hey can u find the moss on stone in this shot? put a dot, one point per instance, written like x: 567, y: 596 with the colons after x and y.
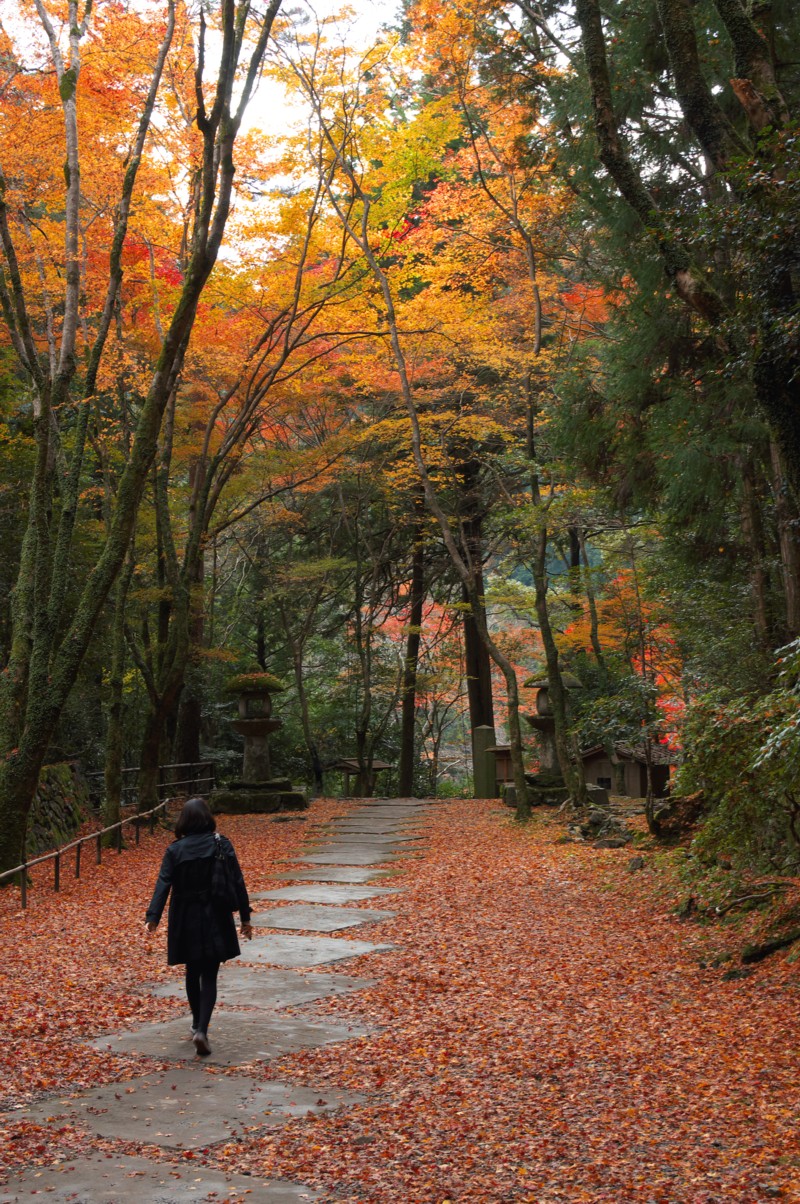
x: 254, y: 683
x: 60, y: 807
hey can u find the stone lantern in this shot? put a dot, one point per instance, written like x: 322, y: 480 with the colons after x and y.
x: 549, y: 781
x: 255, y: 721
x: 258, y: 790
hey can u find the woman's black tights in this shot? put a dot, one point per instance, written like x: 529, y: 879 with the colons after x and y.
x: 201, y: 991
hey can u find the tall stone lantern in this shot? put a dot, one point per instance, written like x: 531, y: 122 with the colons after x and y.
x: 257, y: 791
x: 255, y: 721
x: 548, y: 784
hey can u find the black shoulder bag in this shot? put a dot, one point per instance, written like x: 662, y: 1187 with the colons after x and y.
x: 223, y: 887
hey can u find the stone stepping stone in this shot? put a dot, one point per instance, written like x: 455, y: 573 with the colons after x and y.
x: 236, y: 1038
x: 391, y: 808
x: 271, y: 990
x: 375, y: 815
x: 368, y: 827
x: 340, y: 873
x: 301, y: 952
x: 103, y: 1180
x: 389, y: 822
x: 326, y: 893
x: 372, y: 839
x: 312, y: 917
x: 188, y: 1109
x: 347, y: 854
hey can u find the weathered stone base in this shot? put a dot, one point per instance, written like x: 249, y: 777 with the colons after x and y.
x: 597, y: 795
x: 256, y: 802
x: 546, y: 789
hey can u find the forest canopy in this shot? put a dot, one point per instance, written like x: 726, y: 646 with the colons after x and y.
x: 410, y: 374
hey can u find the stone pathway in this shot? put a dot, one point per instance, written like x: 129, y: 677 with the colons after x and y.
x: 189, y: 1106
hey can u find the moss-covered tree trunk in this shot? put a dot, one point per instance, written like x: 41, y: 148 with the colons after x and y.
x: 150, y: 758
x: 788, y: 521
x: 112, y: 776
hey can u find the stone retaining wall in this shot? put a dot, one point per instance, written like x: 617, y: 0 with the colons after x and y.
x: 60, y: 807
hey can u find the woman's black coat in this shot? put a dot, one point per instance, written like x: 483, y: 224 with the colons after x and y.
x: 199, y: 929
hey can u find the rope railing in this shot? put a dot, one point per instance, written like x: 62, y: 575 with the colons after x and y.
x: 77, y: 845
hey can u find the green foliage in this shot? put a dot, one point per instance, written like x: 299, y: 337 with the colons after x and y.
x: 711, y: 612
x: 461, y: 787
x: 615, y: 705
x: 743, y: 753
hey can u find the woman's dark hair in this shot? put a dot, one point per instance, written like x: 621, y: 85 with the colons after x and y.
x: 195, y: 818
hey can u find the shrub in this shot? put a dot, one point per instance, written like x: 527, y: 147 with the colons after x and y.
x: 744, y: 754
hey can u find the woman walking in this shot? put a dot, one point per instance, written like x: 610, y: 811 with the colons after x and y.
x: 200, y: 930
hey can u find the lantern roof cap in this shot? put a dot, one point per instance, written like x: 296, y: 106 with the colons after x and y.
x: 255, y: 682
x: 571, y: 682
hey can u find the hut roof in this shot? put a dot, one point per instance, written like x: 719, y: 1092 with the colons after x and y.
x: 660, y: 754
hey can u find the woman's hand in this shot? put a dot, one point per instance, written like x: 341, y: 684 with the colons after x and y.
x: 150, y: 927
x: 247, y: 930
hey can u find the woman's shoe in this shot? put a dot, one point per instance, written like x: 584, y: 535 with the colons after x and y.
x: 200, y: 1041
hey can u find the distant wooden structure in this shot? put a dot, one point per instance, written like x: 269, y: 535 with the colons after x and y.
x: 631, y: 767
x: 350, y: 768
x: 503, y: 769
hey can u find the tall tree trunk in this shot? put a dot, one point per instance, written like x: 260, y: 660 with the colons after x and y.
x: 407, y: 762
x: 476, y: 653
x: 186, y: 747
x: 476, y: 658
x: 594, y: 624
x: 650, y: 798
x: 571, y: 770
x: 112, y: 802
x: 150, y: 759
x: 19, y: 777
x: 788, y: 522
x: 305, y: 713
x: 753, y: 531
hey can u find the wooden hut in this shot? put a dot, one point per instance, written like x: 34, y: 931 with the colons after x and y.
x: 349, y: 767
x: 629, y: 775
